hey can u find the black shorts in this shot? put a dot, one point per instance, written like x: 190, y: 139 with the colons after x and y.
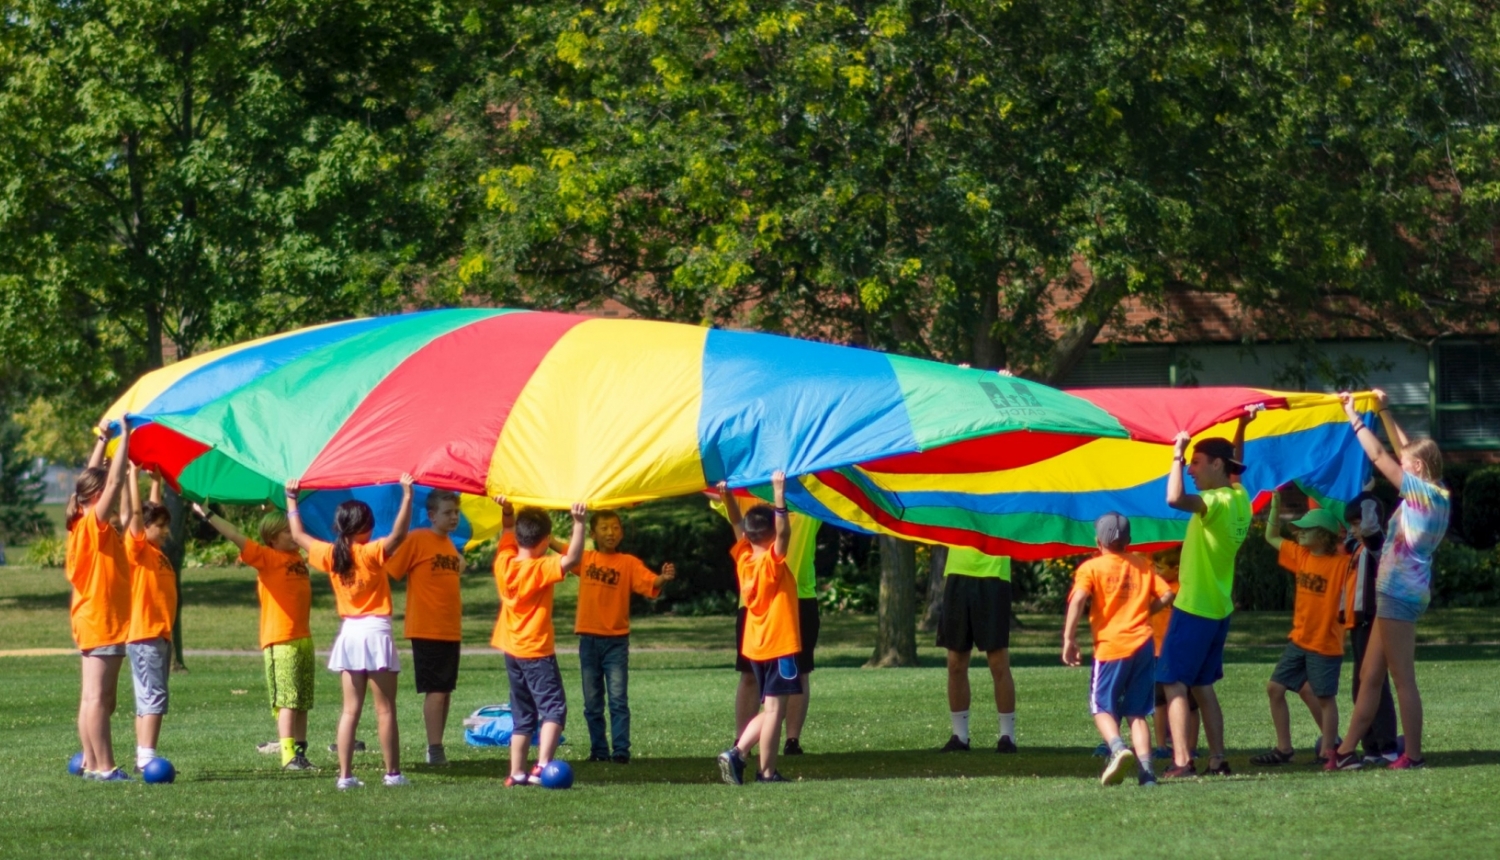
x: 1161, y: 697
x: 435, y: 664
x: 741, y: 662
x: 771, y: 681
x: 807, y: 614
x: 536, y: 693
x: 976, y: 614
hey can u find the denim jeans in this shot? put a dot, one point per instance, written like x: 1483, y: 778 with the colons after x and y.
x: 606, y: 668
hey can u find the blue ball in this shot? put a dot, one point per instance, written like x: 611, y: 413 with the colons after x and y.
x: 75, y: 764
x: 159, y: 770
x: 557, y: 774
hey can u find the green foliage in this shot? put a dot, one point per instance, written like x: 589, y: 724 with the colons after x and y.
x: 686, y: 532
x: 850, y: 589
x: 21, y: 489
x: 1480, y: 511
x: 47, y: 552
x: 1465, y: 576
x: 1260, y: 583
x: 1044, y: 586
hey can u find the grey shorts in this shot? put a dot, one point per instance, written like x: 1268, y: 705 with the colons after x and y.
x: 1397, y: 609
x: 1300, y: 666
x: 105, y: 651
x: 149, y: 663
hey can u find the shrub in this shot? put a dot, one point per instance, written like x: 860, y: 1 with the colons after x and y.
x: 1481, y: 508
x: 47, y: 552
x: 217, y: 553
x: 850, y: 589
x: 1260, y: 583
x: 686, y: 532
x: 1465, y: 576
x: 1043, y: 586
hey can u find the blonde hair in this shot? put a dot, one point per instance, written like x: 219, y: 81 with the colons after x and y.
x: 271, y: 525
x: 1426, y: 452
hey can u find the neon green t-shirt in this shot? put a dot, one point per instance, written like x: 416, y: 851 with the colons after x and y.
x: 1213, y: 539
x: 964, y: 561
x: 800, y: 551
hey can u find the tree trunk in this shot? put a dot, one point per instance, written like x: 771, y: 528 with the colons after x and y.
x: 896, y: 643
x: 937, y: 559
x: 1103, y: 296
x: 176, y: 552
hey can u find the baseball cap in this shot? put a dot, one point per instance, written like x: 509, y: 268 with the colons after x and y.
x: 1113, y: 531
x: 1319, y: 518
x: 1219, y: 448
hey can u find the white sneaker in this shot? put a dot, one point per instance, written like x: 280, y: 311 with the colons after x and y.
x: 396, y: 779
x: 1114, y: 772
x: 348, y: 782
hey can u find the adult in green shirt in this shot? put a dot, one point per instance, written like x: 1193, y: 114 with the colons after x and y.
x: 976, y: 613
x: 1192, y: 653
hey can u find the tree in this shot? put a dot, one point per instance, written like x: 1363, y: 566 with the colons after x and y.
x: 21, y: 489
x: 896, y: 634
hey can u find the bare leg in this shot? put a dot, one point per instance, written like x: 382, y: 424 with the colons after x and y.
x: 299, y: 727
x: 1314, y: 705
x: 1281, y: 716
x: 770, y: 732
x: 746, y: 702
x: 354, y: 703
x: 285, y: 723
x: 1330, y: 724
x: 384, y: 684
x: 1213, y: 722
x: 147, y: 730
x: 1371, y: 674
x: 101, y: 681
x: 1005, y: 682
x: 1400, y: 646
x: 958, y: 681
x: 435, y: 716
x: 1177, y: 717
x: 520, y: 746
x: 546, y: 744
x: 1108, y: 726
x: 750, y: 737
x: 1163, y: 730
x: 1140, y: 735
x: 796, y: 708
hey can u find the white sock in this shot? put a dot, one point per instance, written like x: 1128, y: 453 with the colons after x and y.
x: 144, y: 755
x: 960, y: 725
x: 1008, y: 725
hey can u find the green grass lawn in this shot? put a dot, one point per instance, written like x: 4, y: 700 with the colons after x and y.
x: 871, y: 783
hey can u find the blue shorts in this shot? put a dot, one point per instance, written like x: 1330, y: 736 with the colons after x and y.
x: 776, y: 677
x: 1193, y: 651
x: 536, y: 693
x: 1126, y: 687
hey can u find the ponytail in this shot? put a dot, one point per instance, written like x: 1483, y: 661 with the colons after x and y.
x: 351, y: 519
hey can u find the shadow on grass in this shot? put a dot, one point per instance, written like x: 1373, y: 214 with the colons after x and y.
x: 219, y: 592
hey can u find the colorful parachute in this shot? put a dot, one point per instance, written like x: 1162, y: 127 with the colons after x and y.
x: 1046, y: 509
x: 550, y: 408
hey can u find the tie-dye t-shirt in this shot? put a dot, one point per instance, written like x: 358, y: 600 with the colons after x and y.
x: 1416, y: 528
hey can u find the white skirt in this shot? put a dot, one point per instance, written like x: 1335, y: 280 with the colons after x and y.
x: 364, y: 644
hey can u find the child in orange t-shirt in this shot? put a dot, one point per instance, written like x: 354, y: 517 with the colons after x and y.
x: 772, y: 627
x: 99, y: 611
x: 524, y: 577
x: 431, y: 565
x: 284, y: 588
x: 1122, y: 591
x: 153, y: 607
x: 606, y: 579
x: 364, y: 652
x: 1314, y: 654
x: 1166, y: 563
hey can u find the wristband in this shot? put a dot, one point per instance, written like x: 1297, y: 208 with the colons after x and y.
x: 780, y: 511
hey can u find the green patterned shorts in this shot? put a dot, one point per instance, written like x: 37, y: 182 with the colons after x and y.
x: 289, y: 674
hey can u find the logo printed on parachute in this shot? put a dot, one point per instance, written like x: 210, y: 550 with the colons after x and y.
x: 1018, y: 402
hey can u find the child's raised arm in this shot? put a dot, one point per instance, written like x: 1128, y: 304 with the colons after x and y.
x: 1251, y: 411
x: 1384, y: 463
x: 783, y: 522
x: 294, y: 519
x: 132, y: 520
x: 1393, y: 430
x: 403, y: 517
x: 1177, y: 495
x: 101, y: 442
x: 574, y: 554
x: 221, y: 525
x: 732, y: 511
x: 116, y: 478
x: 1273, y: 521
x: 155, y: 486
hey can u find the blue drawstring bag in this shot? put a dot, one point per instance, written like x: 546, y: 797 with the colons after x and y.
x: 490, y: 726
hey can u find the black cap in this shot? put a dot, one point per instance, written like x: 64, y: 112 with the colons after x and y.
x: 1113, y: 531
x: 1219, y: 448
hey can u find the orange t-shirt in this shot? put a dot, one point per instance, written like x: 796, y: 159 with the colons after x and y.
x: 769, y: 589
x: 100, y: 575
x: 434, y: 609
x: 367, y: 591
x: 605, y: 582
x: 153, y: 590
x: 1320, y: 584
x: 1160, y: 620
x: 524, y: 628
x: 1121, y: 590
x: 284, y: 586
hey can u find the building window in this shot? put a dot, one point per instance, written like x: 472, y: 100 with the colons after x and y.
x: 1468, y: 395
x: 1127, y: 367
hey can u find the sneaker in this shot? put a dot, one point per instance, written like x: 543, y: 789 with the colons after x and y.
x: 774, y: 777
x: 598, y: 757
x: 1352, y: 761
x: 1391, y: 757
x: 1162, y: 754
x: 1006, y: 745
x: 732, y: 767
x: 437, y: 756
x: 395, y: 779
x: 1220, y: 769
x: 623, y: 758
x: 1146, y: 779
x: 1404, y: 763
x: 299, y: 763
x: 1101, y: 751
x: 359, y: 746
x: 1185, y: 771
x: 955, y: 745
x: 793, y: 747
x: 1373, y: 760
x: 1272, y: 758
x: 269, y: 748
x: 118, y: 775
x: 517, y: 780
x: 1114, y: 772
x: 536, y: 773
x: 347, y: 782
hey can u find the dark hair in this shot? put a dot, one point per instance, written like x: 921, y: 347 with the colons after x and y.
x: 604, y: 515
x: 154, y: 513
x: 760, y: 523
x: 437, y: 497
x: 533, y: 527
x: 352, y: 518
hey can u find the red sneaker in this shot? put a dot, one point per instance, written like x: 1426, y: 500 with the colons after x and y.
x: 1184, y: 771
x: 1404, y: 763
